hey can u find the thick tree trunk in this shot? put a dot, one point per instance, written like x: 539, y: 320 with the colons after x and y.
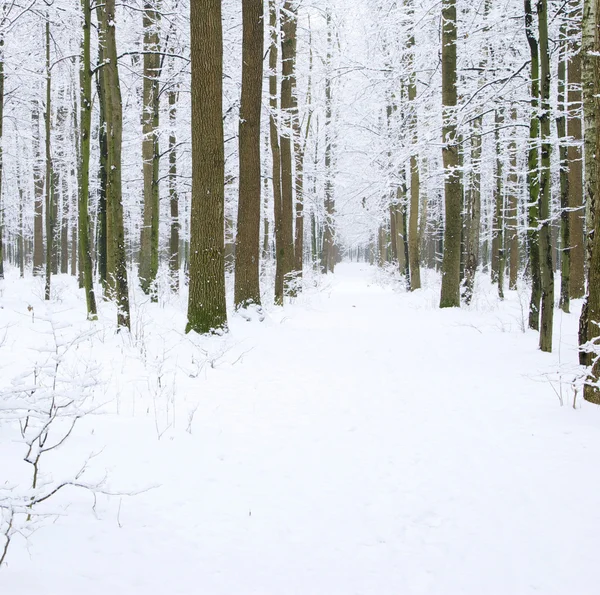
x: 247, y: 253
x: 590, y: 316
x: 450, y: 294
x: 207, y: 311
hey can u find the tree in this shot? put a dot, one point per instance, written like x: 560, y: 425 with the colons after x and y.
x: 275, y: 149
x: 533, y: 179
x: 590, y: 316
x: 288, y: 105
x: 247, y: 257
x: 207, y: 311
x: 49, y: 172
x: 1, y: 131
x: 116, y: 266
x: 150, y: 147
x: 415, y: 180
x: 574, y: 155
x: 85, y: 136
x: 450, y: 295
x: 328, y: 250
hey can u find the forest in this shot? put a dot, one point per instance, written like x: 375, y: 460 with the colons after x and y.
x: 299, y: 297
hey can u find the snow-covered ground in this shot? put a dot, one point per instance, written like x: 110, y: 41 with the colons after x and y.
x: 358, y: 441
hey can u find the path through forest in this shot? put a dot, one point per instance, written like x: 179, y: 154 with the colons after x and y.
x: 360, y: 442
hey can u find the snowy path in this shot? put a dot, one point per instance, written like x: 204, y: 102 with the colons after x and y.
x: 366, y: 443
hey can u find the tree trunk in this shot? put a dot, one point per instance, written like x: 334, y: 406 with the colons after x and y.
x: 590, y: 316
x: 49, y: 176
x: 84, y: 189
x: 533, y: 179
x: 1, y: 129
x: 101, y: 239
x: 275, y: 149
x: 328, y: 249
x: 575, y: 157
x: 150, y: 149
x: 546, y: 266
x: 415, y: 180
x: 116, y: 265
x: 247, y: 253
x: 288, y: 107
x: 512, y: 214
x: 561, y: 129
x: 450, y: 294
x: 499, y: 210
x: 174, y: 263
x: 207, y: 311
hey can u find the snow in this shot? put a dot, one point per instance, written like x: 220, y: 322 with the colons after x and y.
x: 358, y: 441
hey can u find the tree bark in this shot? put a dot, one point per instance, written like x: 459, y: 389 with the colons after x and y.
x: 533, y: 179
x: 116, y: 265
x: 207, y: 311
x: 288, y: 107
x: 575, y: 156
x: 247, y: 253
x: 415, y: 180
x: 275, y: 149
x: 561, y: 129
x: 546, y: 265
x: 450, y: 294
x: 174, y: 260
x: 49, y: 174
x: 84, y: 189
x: 150, y: 148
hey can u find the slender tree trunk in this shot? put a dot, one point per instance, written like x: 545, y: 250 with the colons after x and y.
x: 49, y: 173
x: 116, y: 266
x: 101, y: 239
x: 150, y: 148
x: 288, y: 107
x: 533, y: 175
x: 85, y: 137
x: 473, y: 212
x: 275, y: 149
x: 499, y: 210
x: 513, y: 208
x: 575, y: 156
x: 207, y: 311
x: 328, y: 249
x: 38, y: 190
x: 415, y: 180
x: 247, y: 254
x: 546, y: 265
x: 450, y: 294
x: 174, y: 263
x: 1, y: 131
x: 561, y: 129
